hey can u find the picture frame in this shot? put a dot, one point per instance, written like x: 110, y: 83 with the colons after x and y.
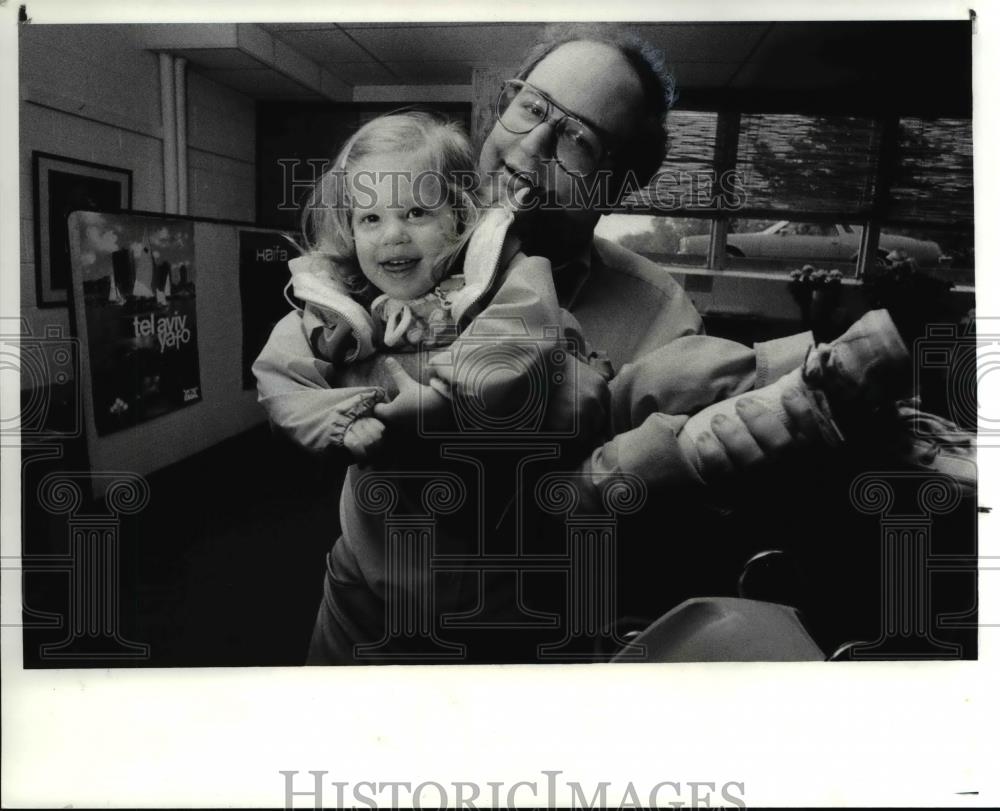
x: 62, y: 185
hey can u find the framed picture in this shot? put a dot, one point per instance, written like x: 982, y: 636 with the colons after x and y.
x: 63, y: 185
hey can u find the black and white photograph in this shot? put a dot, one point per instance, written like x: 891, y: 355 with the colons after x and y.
x: 621, y: 368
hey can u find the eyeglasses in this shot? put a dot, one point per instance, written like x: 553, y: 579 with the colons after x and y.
x: 521, y: 107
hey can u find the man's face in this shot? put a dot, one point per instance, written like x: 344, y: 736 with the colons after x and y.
x: 593, y: 82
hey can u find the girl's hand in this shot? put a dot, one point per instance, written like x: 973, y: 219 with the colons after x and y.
x: 414, y: 406
x: 363, y: 438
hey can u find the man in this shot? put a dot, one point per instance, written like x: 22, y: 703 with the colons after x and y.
x: 587, y: 108
x: 599, y: 85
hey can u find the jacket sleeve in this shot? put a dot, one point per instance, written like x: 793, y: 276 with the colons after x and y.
x: 294, y: 389
x: 695, y: 371
x: 503, y: 358
x: 652, y: 398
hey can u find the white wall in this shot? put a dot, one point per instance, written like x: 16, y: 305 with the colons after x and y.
x: 222, y: 151
x: 91, y: 93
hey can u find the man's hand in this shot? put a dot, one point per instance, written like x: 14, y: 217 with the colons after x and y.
x: 363, y: 438
x: 758, y: 437
x: 414, y: 405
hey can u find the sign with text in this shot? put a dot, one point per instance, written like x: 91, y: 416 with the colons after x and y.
x: 138, y: 309
x: 264, y: 273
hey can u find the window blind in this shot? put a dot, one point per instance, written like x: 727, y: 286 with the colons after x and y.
x: 799, y: 163
x: 790, y: 165
x: 684, y: 181
x: 932, y: 178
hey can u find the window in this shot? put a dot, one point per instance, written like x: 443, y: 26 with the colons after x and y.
x: 789, y: 188
x: 686, y: 179
x: 799, y: 163
x: 808, y: 229
x: 944, y: 251
x: 782, y: 246
x: 932, y: 178
x: 671, y: 240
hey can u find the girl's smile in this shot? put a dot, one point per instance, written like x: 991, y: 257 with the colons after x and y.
x: 402, y: 227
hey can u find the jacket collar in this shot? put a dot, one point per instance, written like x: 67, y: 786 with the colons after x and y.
x: 570, y: 276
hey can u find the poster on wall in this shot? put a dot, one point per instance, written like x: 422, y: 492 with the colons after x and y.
x: 63, y: 185
x: 134, y: 297
x: 264, y: 257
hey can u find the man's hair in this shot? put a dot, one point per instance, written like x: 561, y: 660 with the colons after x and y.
x: 647, y: 147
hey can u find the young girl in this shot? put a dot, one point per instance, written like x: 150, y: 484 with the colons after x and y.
x: 380, y: 281
x: 379, y: 285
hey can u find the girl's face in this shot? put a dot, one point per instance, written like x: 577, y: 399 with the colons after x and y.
x: 402, y: 224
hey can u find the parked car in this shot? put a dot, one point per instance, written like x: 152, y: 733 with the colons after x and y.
x: 815, y: 242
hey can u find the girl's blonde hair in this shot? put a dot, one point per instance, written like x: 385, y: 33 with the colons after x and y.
x: 440, y: 147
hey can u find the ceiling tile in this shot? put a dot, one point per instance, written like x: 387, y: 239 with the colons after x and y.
x: 702, y: 74
x: 796, y: 56
x: 273, y: 27
x: 475, y: 43
x: 325, y: 46
x: 410, y: 24
x: 431, y: 72
x: 355, y: 73
x: 702, y: 42
x: 808, y: 75
x: 262, y: 84
x: 795, y: 40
